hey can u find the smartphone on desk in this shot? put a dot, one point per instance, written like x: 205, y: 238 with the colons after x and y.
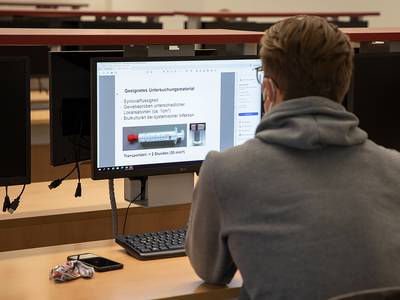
x: 99, y: 263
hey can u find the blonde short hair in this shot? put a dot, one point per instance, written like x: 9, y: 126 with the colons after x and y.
x: 308, y: 56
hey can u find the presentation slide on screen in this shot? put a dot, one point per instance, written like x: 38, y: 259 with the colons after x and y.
x: 171, y: 111
x: 154, y: 110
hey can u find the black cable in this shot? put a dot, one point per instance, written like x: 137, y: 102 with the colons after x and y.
x: 66, y: 176
x: 78, y: 191
x: 78, y: 171
x: 114, y: 213
x: 139, y: 197
x: 23, y: 189
x: 58, y: 181
x: 127, y: 209
x: 55, y: 183
x: 14, y: 204
x: 6, y: 203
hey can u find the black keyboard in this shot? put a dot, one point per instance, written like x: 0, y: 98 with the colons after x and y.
x: 152, y: 245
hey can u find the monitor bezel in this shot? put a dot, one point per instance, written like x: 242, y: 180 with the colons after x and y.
x: 24, y: 179
x: 152, y: 169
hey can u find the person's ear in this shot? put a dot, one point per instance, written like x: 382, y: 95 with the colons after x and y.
x: 269, y: 94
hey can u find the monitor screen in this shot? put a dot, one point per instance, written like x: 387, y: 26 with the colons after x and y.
x: 15, y: 153
x: 159, y: 116
x: 374, y: 96
x: 69, y: 77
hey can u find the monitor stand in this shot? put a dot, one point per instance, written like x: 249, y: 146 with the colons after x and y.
x: 160, y: 190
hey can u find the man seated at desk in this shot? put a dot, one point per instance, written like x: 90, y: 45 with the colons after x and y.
x: 309, y: 208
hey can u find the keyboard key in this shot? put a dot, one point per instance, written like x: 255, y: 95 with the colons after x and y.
x: 176, y: 247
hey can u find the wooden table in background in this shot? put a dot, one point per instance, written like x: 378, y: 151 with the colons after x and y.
x: 194, y: 17
x: 41, y: 4
x: 53, y: 217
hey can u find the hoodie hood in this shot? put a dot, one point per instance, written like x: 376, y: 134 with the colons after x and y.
x: 310, y: 123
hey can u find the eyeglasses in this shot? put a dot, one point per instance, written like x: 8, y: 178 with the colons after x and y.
x: 261, y: 75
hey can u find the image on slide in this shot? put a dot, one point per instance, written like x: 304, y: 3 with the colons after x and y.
x: 198, y: 133
x: 154, y: 137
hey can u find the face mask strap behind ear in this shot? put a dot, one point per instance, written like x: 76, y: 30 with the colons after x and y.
x: 272, y: 90
x: 271, y: 96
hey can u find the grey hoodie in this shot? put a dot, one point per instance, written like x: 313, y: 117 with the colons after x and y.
x: 308, y: 209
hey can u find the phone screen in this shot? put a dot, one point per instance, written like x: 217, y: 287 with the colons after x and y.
x: 99, y: 263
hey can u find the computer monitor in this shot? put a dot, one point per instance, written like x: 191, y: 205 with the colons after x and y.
x: 156, y: 116
x: 27, y: 22
x: 69, y: 75
x: 119, y: 24
x: 374, y: 96
x: 38, y: 57
x: 237, y: 25
x: 350, y: 23
x: 15, y: 129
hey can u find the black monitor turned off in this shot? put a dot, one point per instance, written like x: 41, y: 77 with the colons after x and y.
x: 15, y: 150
